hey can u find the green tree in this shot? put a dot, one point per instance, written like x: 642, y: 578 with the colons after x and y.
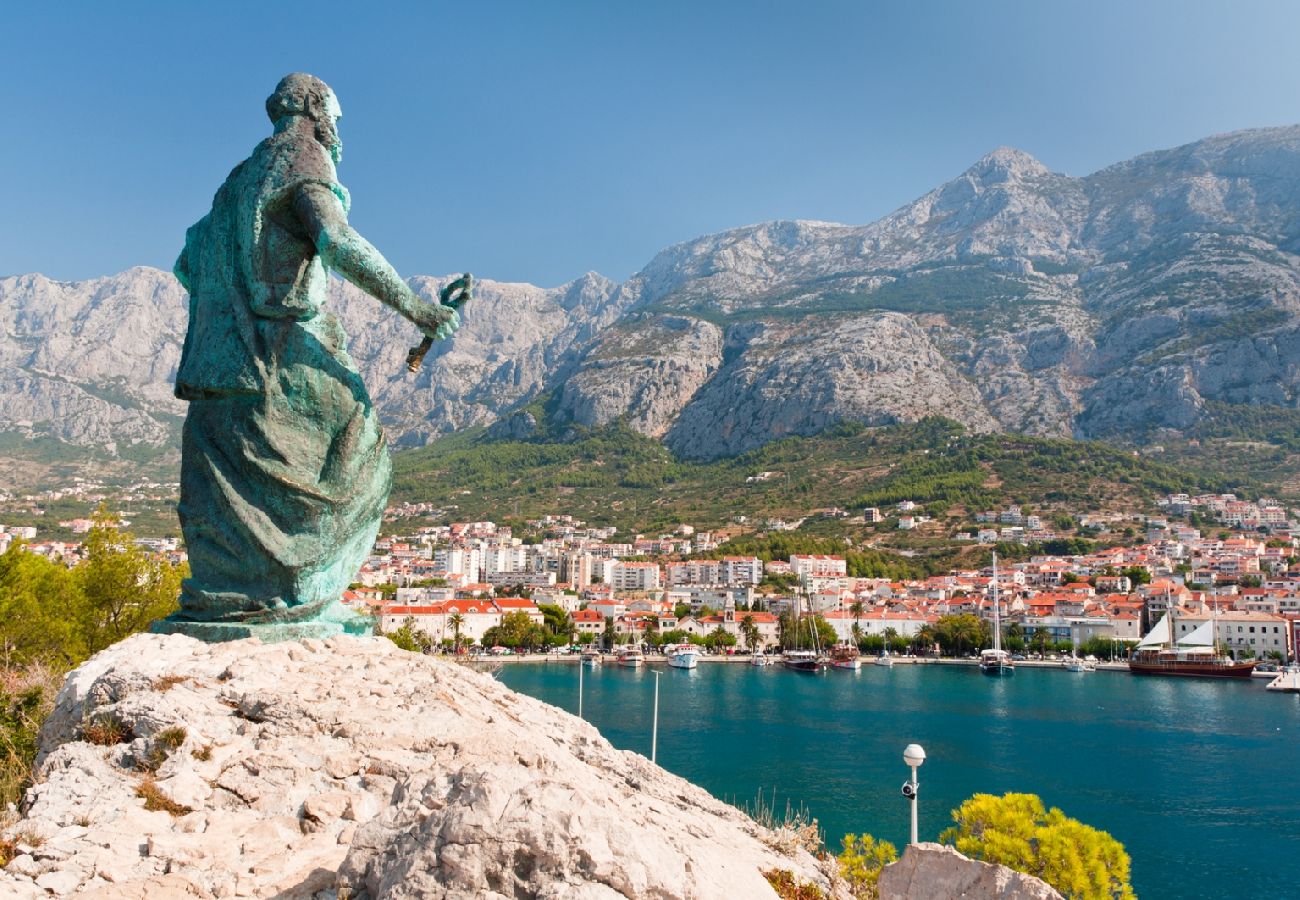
x: 719, y: 638
x: 457, y: 622
x: 410, y: 638
x: 557, y: 621
x: 1016, y: 830
x: 41, y: 610
x: 124, y: 587
x: 749, y: 631
x: 960, y: 634
x: 861, y: 861
x: 1138, y: 574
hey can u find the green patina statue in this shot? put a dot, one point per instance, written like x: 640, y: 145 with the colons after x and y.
x: 284, y: 468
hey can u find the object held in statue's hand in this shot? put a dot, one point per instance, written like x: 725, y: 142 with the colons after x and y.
x: 454, y: 295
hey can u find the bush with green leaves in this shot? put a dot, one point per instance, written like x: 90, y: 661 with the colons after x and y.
x: 1018, y: 831
x: 861, y: 861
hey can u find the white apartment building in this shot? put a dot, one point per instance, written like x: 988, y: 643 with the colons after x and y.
x: 818, y: 566
x: 633, y: 576
x: 459, y: 561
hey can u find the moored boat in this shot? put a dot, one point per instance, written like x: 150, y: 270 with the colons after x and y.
x: 1195, y: 656
x: 591, y: 658
x: 682, y: 656
x: 758, y: 659
x: 630, y: 657
x: 846, y: 656
x: 1188, y: 663
x: 803, y: 661
x: 996, y: 661
x: 885, y: 660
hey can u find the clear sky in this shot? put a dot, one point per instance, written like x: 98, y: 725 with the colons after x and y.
x: 537, y: 140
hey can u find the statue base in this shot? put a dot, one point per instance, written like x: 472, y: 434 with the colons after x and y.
x: 334, y: 620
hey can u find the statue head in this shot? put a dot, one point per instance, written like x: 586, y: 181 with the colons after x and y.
x: 306, y: 96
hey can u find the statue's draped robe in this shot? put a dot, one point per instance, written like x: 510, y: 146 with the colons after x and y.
x: 284, y: 468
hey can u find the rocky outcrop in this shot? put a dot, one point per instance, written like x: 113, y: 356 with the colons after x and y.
x: 351, y: 767
x: 787, y: 380
x: 644, y: 374
x: 928, y: 870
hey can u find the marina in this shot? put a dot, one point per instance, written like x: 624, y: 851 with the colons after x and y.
x: 1133, y: 756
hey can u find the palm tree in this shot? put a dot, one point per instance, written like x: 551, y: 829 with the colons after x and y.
x: 749, y: 631
x: 857, y: 635
x: 456, y: 621
x: 924, y: 637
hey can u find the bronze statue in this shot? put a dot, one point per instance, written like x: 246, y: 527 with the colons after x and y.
x: 284, y: 468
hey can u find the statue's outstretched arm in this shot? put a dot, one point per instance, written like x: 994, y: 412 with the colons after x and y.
x: 352, y: 256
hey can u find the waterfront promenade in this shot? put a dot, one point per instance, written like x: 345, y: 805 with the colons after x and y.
x: 654, y: 660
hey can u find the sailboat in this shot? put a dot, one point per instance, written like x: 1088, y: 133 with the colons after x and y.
x: 803, y: 660
x: 996, y: 662
x: 1073, y: 663
x: 1196, y: 655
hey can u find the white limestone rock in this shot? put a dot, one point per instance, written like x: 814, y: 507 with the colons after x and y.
x: 927, y: 871
x: 349, y: 764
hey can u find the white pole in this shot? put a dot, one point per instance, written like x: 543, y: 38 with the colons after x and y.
x: 581, y: 666
x: 915, y: 800
x: 654, y: 728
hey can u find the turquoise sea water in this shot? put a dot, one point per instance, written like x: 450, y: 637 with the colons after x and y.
x: 1199, y: 779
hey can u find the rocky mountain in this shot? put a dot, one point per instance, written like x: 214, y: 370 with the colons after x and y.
x: 1152, y: 294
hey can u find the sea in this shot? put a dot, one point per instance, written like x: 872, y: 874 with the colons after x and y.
x: 1199, y: 778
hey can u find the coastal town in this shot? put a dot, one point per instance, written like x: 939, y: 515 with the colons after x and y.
x: 456, y: 586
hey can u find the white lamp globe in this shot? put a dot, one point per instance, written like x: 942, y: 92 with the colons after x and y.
x: 913, y: 755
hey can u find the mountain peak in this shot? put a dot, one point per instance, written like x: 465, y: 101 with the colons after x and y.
x: 1007, y: 164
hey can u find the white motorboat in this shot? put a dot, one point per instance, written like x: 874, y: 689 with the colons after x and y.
x: 758, y: 659
x: 682, y: 656
x: 591, y: 658
x: 885, y: 660
x: 630, y: 657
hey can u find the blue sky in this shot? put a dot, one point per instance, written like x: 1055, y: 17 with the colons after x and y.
x: 534, y: 141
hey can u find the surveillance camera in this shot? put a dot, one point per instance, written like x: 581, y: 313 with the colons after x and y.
x: 909, y: 789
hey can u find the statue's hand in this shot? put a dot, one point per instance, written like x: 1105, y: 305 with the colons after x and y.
x: 436, y: 321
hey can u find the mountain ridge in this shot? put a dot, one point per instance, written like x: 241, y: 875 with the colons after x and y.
x: 1011, y: 297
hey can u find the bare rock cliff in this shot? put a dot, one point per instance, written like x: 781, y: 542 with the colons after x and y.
x: 349, y: 767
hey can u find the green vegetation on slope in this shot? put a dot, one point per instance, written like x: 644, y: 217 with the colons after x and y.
x: 613, y: 476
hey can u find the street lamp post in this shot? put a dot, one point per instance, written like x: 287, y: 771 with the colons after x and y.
x: 913, y: 755
x: 654, y: 727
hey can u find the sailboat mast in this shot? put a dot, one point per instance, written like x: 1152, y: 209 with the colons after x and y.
x: 997, y: 616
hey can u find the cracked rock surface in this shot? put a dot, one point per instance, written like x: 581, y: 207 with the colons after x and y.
x: 351, y: 768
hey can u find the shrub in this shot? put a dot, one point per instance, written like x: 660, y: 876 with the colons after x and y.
x: 156, y: 801
x: 26, y: 697
x: 861, y: 861
x: 788, y: 887
x: 106, y: 730
x: 1016, y: 830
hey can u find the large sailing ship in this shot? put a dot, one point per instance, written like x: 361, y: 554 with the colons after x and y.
x: 996, y: 662
x: 810, y: 660
x: 1194, y: 656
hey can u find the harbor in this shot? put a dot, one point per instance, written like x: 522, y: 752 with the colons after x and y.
x: 1192, y: 775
